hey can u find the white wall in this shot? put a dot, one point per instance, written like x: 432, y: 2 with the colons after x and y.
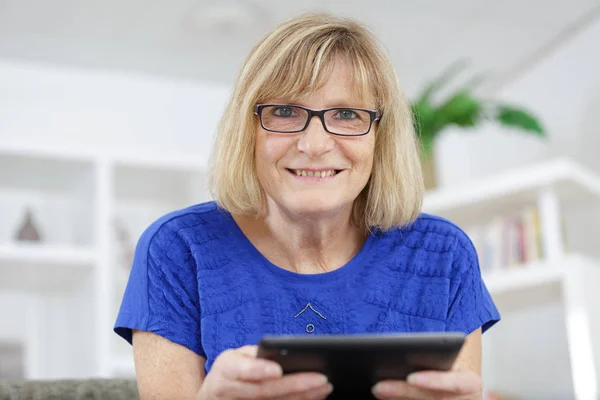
x: 564, y: 90
x: 47, y: 106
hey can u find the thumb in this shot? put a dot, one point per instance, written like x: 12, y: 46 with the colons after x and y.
x: 248, y: 350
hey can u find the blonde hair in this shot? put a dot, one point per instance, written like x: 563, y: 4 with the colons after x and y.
x: 293, y: 60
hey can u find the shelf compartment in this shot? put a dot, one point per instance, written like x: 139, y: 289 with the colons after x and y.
x: 181, y: 184
x: 43, y: 268
x: 534, y: 283
x: 145, y: 191
x: 60, y: 193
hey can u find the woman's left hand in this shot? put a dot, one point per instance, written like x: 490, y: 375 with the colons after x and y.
x: 451, y: 385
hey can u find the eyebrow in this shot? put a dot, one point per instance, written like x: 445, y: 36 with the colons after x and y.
x: 331, y: 104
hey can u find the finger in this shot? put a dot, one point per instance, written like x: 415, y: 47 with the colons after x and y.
x: 248, y: 350
x: 244, y: 368
x: 391, y: 390
x: 318, y: 393
x: 456, y: 381
x: 284, y: 387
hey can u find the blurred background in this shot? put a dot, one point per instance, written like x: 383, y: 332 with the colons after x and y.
x: 107, y: 113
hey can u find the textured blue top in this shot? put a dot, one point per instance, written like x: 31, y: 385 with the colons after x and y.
x: 199, y: 282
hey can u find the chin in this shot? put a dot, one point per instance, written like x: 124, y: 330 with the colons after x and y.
x: 316, y: 208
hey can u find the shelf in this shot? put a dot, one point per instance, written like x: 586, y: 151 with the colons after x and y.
x: 533, y: 283
x: 182, y: 164
x: 511, y: 190
x: 47, y: 152
x: 42, y: 267
x: 522, y: 277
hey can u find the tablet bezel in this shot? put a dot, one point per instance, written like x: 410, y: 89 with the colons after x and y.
x: 349, y: 359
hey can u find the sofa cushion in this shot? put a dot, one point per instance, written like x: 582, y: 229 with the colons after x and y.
x: 85, y: 389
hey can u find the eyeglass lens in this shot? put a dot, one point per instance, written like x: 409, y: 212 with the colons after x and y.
x: 342, y: 121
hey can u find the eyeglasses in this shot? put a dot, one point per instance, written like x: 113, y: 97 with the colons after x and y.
x: 342, y: 121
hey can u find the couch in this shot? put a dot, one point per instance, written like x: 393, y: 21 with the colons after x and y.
x: 85, y: 389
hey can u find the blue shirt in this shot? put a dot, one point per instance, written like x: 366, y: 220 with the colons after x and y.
x: 199, y: 282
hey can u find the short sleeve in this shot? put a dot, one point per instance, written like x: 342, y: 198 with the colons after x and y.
x: 162, y: 292
x: 471, y: 305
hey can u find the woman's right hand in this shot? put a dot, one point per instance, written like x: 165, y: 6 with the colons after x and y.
x: 239, y: 374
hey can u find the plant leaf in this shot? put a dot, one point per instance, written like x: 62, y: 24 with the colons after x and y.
x: 427, y: 124
x: 519, y: 118
x: 461, y: 109
x: 424, y: 117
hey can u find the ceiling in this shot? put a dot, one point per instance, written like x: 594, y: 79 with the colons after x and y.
x: 207, y: 40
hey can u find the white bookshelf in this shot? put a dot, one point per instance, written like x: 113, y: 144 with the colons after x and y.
x: 562, y: 275
x: 78, y: 271
x: 78, y: 198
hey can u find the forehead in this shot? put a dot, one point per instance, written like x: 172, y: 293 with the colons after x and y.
x: 340, y: 83
x: 339, y: 88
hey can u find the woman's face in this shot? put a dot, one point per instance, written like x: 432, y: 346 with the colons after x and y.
x: 285, y: 162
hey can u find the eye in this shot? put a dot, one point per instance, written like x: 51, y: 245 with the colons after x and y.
x: 346, y: 114
x: 283, y: 111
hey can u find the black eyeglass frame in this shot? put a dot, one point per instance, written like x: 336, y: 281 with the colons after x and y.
x: 375, y: 115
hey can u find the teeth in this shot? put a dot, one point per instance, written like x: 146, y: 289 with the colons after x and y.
x: 318, y: 174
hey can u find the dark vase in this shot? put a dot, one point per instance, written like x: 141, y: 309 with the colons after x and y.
x: 27, y: 231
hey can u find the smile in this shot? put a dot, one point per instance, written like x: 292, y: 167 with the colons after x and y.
x: 319, y: 174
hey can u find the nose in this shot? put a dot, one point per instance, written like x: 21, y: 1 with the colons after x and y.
x: 314, y: 141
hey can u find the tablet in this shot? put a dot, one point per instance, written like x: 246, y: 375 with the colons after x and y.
x: 354, y: 363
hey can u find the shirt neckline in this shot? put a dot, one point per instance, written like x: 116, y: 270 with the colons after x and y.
x: 353, y: 265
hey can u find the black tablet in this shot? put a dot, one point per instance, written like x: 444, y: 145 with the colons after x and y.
x: 354, y: 363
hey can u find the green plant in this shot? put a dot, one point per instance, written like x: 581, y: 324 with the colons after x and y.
x: 463, y: 109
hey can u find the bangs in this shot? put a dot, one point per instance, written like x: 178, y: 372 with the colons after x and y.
x: 305, y: 66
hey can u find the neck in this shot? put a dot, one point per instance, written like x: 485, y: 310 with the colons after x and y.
x: 305, y: 244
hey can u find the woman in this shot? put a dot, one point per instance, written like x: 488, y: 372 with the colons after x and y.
x: 316, y: 228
